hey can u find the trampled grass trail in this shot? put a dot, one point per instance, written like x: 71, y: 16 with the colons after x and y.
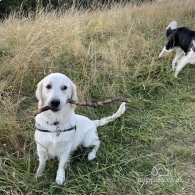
x: 107, y: 53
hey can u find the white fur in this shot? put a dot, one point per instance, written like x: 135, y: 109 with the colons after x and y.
x: 164, y: 51
x: 179, y: 54
x: 48, y: 144
x: 180, y: 60
x: 184, y: 60
x: 172, y: 25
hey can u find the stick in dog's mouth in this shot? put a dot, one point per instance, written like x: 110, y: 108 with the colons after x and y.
x: 43, y: 109
x: 86, y: 104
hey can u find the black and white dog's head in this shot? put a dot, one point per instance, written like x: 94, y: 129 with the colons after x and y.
x: 178, y: 38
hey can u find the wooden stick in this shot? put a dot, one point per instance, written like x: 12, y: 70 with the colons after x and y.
x: 43, y: 109
x: 98, y: 104
x: 86, y: 104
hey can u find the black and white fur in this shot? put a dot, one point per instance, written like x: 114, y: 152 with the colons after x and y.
x: 183, y: 40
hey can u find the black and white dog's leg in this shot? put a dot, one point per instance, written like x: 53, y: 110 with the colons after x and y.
x: 188, y: 59
x: 179, y: 54
x: 168, y: 48
x: 164, y: 51
x: 181, y: 64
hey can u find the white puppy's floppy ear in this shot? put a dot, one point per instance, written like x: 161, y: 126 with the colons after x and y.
x: 39, y: 95
x: 74, y: 94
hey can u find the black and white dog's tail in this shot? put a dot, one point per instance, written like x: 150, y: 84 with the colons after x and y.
x: 171, y: 27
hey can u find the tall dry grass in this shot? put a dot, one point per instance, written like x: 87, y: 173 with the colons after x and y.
x: 78, y: 42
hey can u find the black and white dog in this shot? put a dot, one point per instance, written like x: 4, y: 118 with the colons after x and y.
x: 183, y: 40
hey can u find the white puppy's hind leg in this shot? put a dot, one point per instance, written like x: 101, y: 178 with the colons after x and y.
x: 92, y: 154
x: 92, y: 139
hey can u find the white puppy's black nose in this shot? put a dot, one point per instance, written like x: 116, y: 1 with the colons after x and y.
x: 55, y: 103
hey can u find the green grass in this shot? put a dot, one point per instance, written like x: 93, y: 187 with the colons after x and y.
x: 108, y: 53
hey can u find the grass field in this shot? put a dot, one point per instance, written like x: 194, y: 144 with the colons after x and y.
x: 107, y: 53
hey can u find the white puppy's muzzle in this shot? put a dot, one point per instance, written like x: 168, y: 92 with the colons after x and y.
x: 55, y: 103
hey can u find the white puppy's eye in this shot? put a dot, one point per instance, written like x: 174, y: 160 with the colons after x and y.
x: 48, y: 86
x: 64, y: 87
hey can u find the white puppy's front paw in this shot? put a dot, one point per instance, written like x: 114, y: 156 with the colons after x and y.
x: 38, y: 175
x: 91, y: 155
x: 60, y: 180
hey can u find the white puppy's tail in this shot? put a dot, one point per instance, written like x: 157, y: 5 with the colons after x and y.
x: 108, y: 119
x: 172, y: 25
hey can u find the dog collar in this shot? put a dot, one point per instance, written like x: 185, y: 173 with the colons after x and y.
x: 58, y: 131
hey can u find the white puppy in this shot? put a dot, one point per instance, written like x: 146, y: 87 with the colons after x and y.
x: 59, y: 133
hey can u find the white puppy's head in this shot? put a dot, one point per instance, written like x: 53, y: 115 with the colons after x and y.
x: 54, y: 91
